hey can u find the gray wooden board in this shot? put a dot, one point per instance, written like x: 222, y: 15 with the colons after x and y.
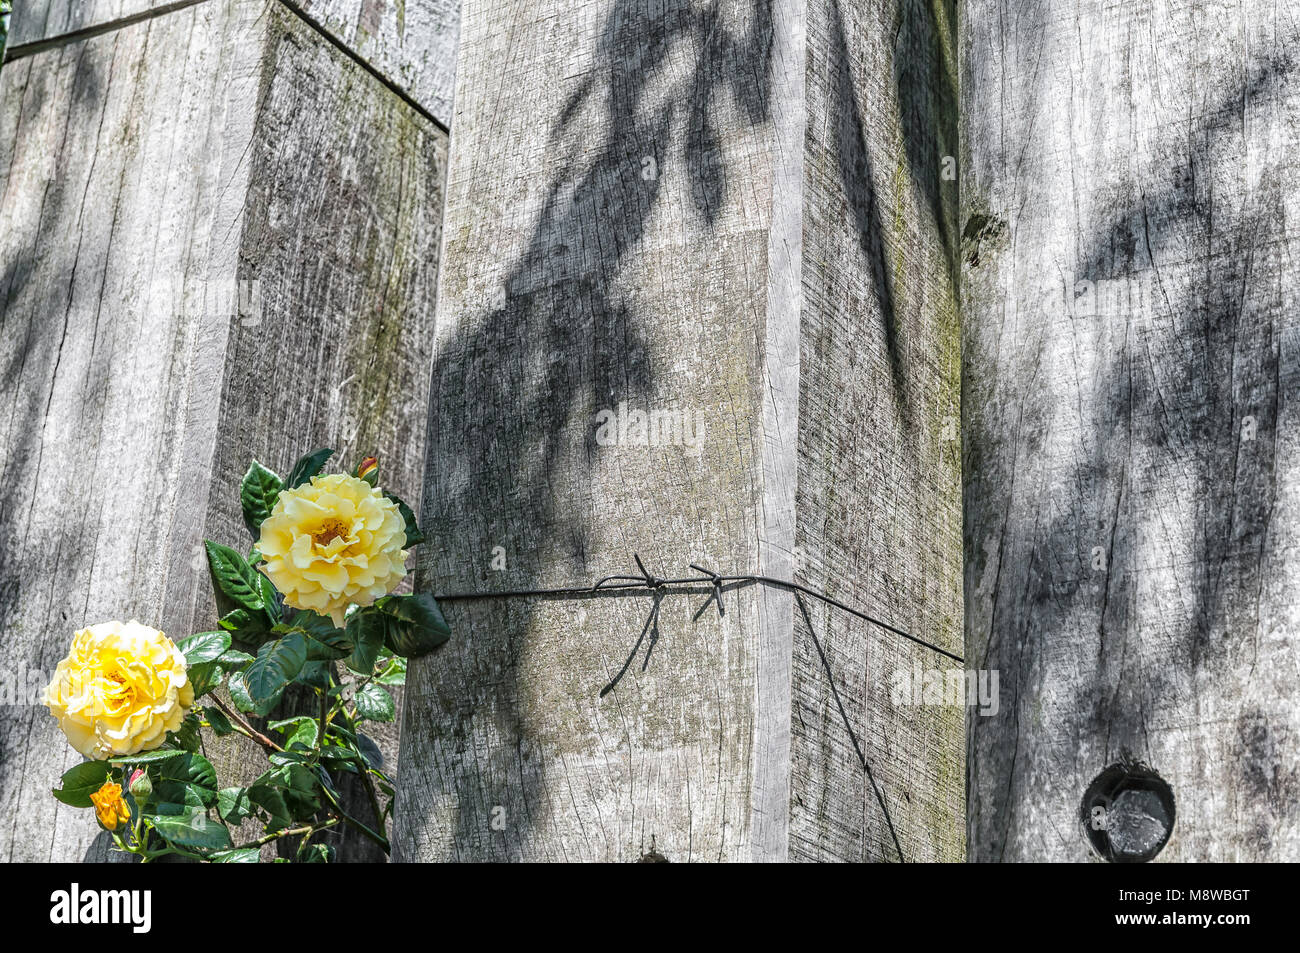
x: 1132, y: 431
x: 672, y: 221
x: 411, y: 43
x: 220, y: 144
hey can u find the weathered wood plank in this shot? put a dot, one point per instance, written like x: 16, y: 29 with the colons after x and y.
x: 1133, y: 468
x: 35, y: 20
x: 879, y: 480
x: 672, y: 225
x: 221, y: 144
x: 411, y: 43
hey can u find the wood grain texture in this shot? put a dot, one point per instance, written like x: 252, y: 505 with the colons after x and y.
x: 640, y: 235
x: 606, y: 243
x: 411, y: 43
x: 35, y: 20
x: 1131, y: 417
x: 879, y: 480
x: 220, y: 144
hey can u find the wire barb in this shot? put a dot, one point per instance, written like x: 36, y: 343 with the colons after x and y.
x: 717, y: 590
x: 660, y: 588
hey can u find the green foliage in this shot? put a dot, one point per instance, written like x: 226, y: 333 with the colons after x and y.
x: 79, y: 783
x: 235, y: 580
x: 277, y: 664
x: 204, y: 646
x: 193, y: 829
x: 257, y: 495
x: 414, y: 625
x: 257, y: 650
x: 374, y: 703
x: 307, y: 467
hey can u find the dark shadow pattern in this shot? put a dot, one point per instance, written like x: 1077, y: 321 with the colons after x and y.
x: 564, y: 338
x: 1167, y: 413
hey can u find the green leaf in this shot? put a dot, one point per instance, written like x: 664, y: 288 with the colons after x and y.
x: 277, y: 664
x: 240, y: 855
x: 271, y: 800
x: 366, y: 629
x: 316, y: 675
x: 218, y: 722
x: 190, y: 830
x: 80, y: 782
x: 298, y: 730
x: 416, y: 626
x: 324, y: 641
x: 203, y: 646
x: 184, y: 779
x: 287, y: 793
x: 316, y: 853
x: 147, y: 757
x: 335, y: 647
x: 244, y: 625
x: 374, y: 702
x: 233, y: 577
x: 413, y: 534
x: 392, y: 671
x: 313, y: 623
x: 270, y: 598
x: 187, y: 736
x: 235, y: 620
x: 307, y: 467
x: 239, y: 693
x: 233, y: 658
x: 369, y: 751
x: 204, y: 677
x: 233, y: 804
x: 349, y: 757
x: 257, y: 495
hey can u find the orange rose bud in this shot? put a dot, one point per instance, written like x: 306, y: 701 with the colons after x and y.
x: 110, y: 807
x: 367, y: 468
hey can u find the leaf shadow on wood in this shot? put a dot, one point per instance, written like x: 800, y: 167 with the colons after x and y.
x: 858, y: 180
x: 565, y: 339
x: 1172, y: 368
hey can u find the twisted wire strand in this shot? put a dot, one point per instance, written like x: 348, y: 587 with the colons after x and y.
x: 717, y: 584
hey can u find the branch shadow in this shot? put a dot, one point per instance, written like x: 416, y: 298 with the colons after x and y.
x: 565, y: 337
x: 1168, y: 394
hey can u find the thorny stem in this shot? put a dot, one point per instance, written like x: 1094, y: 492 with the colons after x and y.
x: 365, y: 777
x: 307, y: 829
x: 364, y: 768
x: 244, y: 726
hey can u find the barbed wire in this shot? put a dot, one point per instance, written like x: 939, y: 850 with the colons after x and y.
x: 717, y: 584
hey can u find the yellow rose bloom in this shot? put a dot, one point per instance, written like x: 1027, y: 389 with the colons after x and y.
x: 122, y: 687
x: 110, y: 807
x: 334, y: 542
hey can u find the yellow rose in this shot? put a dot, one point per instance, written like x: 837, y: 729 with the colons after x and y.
x: 334, y: 542
x: 122, y: 687
x: 110, y: 806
